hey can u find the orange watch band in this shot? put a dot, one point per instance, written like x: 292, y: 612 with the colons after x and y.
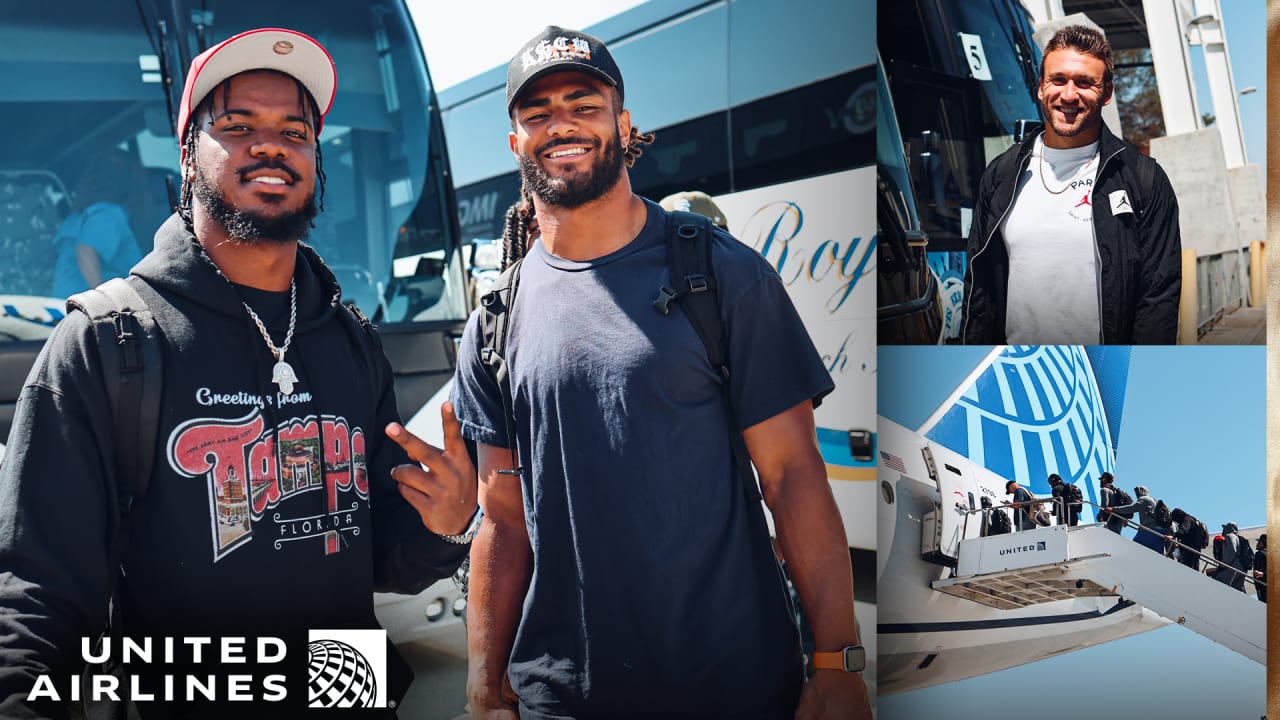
x: 849, y: 659
x: 829, y: 660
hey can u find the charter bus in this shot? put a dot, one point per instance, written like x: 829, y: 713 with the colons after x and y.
x: 960, y: 80
x: 80, y: 77
x: 769, y: 107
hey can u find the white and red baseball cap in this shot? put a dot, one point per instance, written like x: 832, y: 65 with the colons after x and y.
x: 288, y: 51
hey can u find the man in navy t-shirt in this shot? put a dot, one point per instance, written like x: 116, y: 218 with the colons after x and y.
x: 623, y: 571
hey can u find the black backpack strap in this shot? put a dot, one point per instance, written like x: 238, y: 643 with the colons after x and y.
x: 495, y: 325
x: 692, y: 283
x: 1146, y: 172
x: 132, y: 370
x: 128, y: 340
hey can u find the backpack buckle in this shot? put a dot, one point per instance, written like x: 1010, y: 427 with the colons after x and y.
x: 131, y: 353
x: 665, y: 295
x: 697, y: 283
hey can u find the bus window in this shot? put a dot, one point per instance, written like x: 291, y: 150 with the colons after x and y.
x: 690, y: 154
x: 81, y: 79
x: 84, y: 79
x: 812, y: 130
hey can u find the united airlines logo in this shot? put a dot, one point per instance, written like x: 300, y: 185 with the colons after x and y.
x: 1034, y: 410
x: 1035, y: 547
x: 347, y: 669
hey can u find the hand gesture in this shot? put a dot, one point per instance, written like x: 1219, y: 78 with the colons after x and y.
x: 442, y: 487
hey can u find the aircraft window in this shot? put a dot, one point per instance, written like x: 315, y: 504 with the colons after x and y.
x: 887, y: 490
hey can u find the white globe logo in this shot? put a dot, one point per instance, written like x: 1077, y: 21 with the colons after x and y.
x: 340, y: 677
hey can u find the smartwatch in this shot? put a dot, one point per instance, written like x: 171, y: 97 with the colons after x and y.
x: 466, y: 536
x: 852, y: 658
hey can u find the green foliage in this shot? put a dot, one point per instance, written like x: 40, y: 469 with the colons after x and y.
x: 1137, y: 97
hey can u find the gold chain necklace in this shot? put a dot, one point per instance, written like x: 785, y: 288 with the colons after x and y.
x: 1077, y: 176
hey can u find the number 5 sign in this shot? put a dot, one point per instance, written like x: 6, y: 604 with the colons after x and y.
x: 971, y: 45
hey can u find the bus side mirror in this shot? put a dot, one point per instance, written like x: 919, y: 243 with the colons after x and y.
x: 1023, y: 129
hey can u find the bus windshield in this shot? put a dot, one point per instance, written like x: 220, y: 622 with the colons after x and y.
x: 962, y: 75
x: 1001, y: 34
x: 88, y: 91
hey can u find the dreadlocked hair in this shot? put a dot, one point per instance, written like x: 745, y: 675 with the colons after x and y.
x: 635, y: 146
x: 309, y: 110
x: 518, y: 228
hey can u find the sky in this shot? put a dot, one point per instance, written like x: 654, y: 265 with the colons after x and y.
x: 1193, y: 430
x: 455, y: 54
x: 1246, y: 24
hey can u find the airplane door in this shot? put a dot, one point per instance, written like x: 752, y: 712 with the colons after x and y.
x: 951, y: 519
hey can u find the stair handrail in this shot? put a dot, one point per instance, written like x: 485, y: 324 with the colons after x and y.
x: 1169, y: 539
x: 967, y: 511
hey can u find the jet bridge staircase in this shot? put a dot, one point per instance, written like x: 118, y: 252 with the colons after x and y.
x: 1059, y: 562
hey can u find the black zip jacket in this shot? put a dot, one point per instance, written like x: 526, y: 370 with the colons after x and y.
x: 1138, y: 254
x: 265, y: 515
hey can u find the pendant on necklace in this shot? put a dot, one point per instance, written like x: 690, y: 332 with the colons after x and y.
x: 282, y: 374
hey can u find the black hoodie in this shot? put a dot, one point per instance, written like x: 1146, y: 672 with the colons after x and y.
x: 302, y: 545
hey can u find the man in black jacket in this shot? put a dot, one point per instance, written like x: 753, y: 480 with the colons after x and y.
x: 1111, y: 498
x: 1075, y: 235
x: 273, y: 508
x: 1068, y: 500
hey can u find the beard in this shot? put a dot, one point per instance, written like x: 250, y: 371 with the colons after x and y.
x: 579, y: 188
x: 1088, y: 120
x: 251, y: 227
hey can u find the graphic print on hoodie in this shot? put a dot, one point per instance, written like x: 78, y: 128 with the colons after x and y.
x: 250, y: 468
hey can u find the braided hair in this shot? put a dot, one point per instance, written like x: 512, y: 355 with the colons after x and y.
x: 309, y: 109
x: 518, y: 226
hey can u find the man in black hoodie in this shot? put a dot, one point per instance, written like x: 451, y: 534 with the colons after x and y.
x: 1075, y: 235
x: 272, y: 509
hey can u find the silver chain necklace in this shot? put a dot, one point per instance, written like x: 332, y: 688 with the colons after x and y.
x: 282, y: 373
x: 1079, y: 173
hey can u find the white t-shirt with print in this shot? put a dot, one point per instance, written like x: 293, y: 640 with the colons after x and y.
x: 1053, y: 281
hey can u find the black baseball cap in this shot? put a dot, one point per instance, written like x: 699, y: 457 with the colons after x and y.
x: 556, y: 50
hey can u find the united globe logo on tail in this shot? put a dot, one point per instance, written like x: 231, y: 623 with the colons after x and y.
x: 1029, y: 411
x: 347, y: 669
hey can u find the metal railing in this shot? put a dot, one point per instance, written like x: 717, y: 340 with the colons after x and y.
x: 1055, y: 517
x: 1222, y: 285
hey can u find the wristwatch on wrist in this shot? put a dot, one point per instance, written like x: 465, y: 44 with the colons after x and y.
x: 850, y: 659
x: 466, y: 536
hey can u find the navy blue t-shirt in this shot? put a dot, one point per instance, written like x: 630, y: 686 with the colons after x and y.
x: 655, y: 592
